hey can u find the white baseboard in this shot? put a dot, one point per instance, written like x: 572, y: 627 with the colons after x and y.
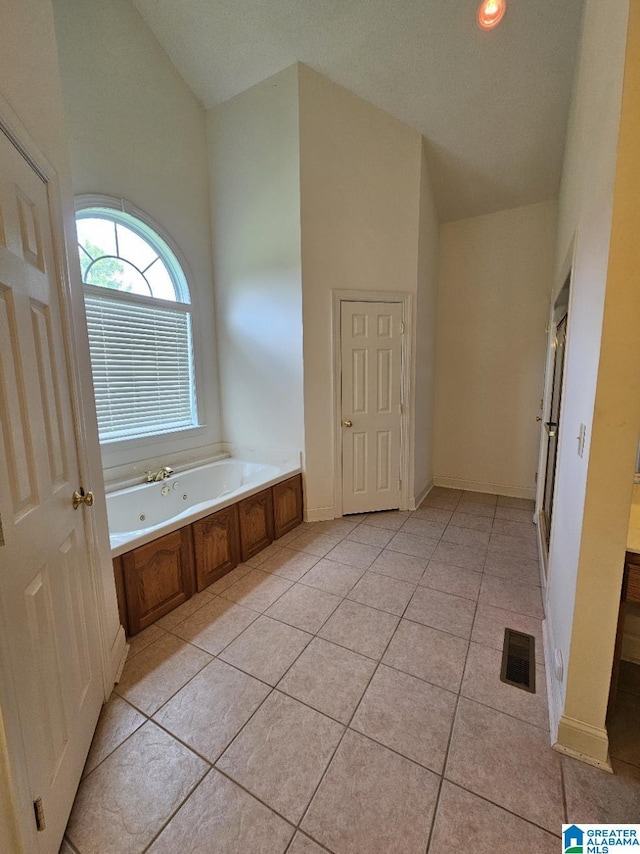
x: 631, y: 648
x: 554, y: 692
x: 319, y: 514
x: 480, y: 486
x: 588, y: 743
x: 119, y: 652
x: 422, y: 495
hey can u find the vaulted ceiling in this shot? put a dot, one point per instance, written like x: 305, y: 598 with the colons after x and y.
x: 492, y: 105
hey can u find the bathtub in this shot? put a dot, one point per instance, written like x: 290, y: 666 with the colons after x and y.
x: 142, y: 513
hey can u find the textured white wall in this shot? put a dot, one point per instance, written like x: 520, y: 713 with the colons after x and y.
x: 255, y: 196
x: 360, y: 188
x: 136, y: 131
x: 425, y: 335
x: 599, y: 205
x: 496, y: 273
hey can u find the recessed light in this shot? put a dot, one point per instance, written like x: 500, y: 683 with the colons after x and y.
x: 490, y: 13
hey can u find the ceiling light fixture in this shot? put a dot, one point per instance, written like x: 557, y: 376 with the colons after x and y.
x: 490, y: 13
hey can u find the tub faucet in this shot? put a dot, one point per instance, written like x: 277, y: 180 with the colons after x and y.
x: 161, y: 474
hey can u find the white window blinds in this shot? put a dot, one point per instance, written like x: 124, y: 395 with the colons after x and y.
x: 142, y: 363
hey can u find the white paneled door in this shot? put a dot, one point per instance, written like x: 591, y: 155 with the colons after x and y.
x: 371, y: 358
x: 48, y: 612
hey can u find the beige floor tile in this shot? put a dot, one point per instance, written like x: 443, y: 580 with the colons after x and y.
x: 370, y: 535
x: 391, y: 519
x: 155, y: 674
x: 290, y: 536
x: 445, y: 492
x: 372, y: 800
x: 270, y: 551
x: 227, y: 580
x: 408, y: 715
x: 471, y: 537
x: 425, y: 528
x: 221, y: 818
x: 332, y: 577
x: 116, y: 723
x: 354, y: 554
x: 211, y: 709
x: 401, y: 566
x: 329, y: 678
x: 314, y: 544
x: 360, y: 628
x: 289, y: 563
x: 144, y: 638
x: 514, y: 514
x: 629, y: 678
x: 523, y: 599
x: 457, y: 555
x: 507, y: 761
x: 515, y: 546
x: 355, y: 517
x: 490, y: 623
x: 433, y: 514
x: 442, y: 611
x: 465, y: 822
x: 303, y: 845
x: 266, y: 649
x: 624, y: 729
x: 481, y: 682
x: 412, y: 544
x: 304, y: 607
x: 488, y: 498
x: 335, y: 528
x: 282, y: 753
x: 473, y: 508
x: 428, y: 654
x: 215, y: 625
x: 519, y: 503
x: 173, y: 618
x: 520, y: 530
x: 443, y: 502
x: 471, y: 521
x: 595, y: 796
x: 121, y: 805
x: 452, y: 579
x: 383, y: 592
x: 257, y: 590
x: 520, y: 569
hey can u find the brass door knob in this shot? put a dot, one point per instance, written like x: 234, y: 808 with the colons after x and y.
x: 81, y: 497
x: 347, y: 423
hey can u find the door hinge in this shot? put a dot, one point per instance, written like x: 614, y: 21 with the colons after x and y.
x: 401, y: 328
x: 38, y: 810
x: 1, y: 533
x: 400, y: 408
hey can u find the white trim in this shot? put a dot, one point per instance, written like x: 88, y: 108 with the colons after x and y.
x: 588, y: 743
x: 406, y: 420
x: 90, y: 472
x: 554, y: 687
x: 481, y: 486
x: 422, y: 495
x: 320, y: 514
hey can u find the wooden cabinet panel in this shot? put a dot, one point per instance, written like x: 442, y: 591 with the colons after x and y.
x: 216, y: 541
x: 158, y: 577
x: 287, y: 505
x: 256, y: 523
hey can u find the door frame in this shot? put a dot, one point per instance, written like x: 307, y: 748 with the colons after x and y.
x: 18, y: 808
x: 406, y: 388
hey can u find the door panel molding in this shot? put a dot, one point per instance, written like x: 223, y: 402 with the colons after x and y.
x: 406, y: 300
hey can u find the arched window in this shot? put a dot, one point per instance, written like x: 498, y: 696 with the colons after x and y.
x: 139, y: 320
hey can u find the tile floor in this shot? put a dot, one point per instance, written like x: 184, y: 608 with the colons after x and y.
x: 340, y: 693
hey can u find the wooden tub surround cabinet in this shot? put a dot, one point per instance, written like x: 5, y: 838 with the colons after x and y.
x: 153, y: 579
